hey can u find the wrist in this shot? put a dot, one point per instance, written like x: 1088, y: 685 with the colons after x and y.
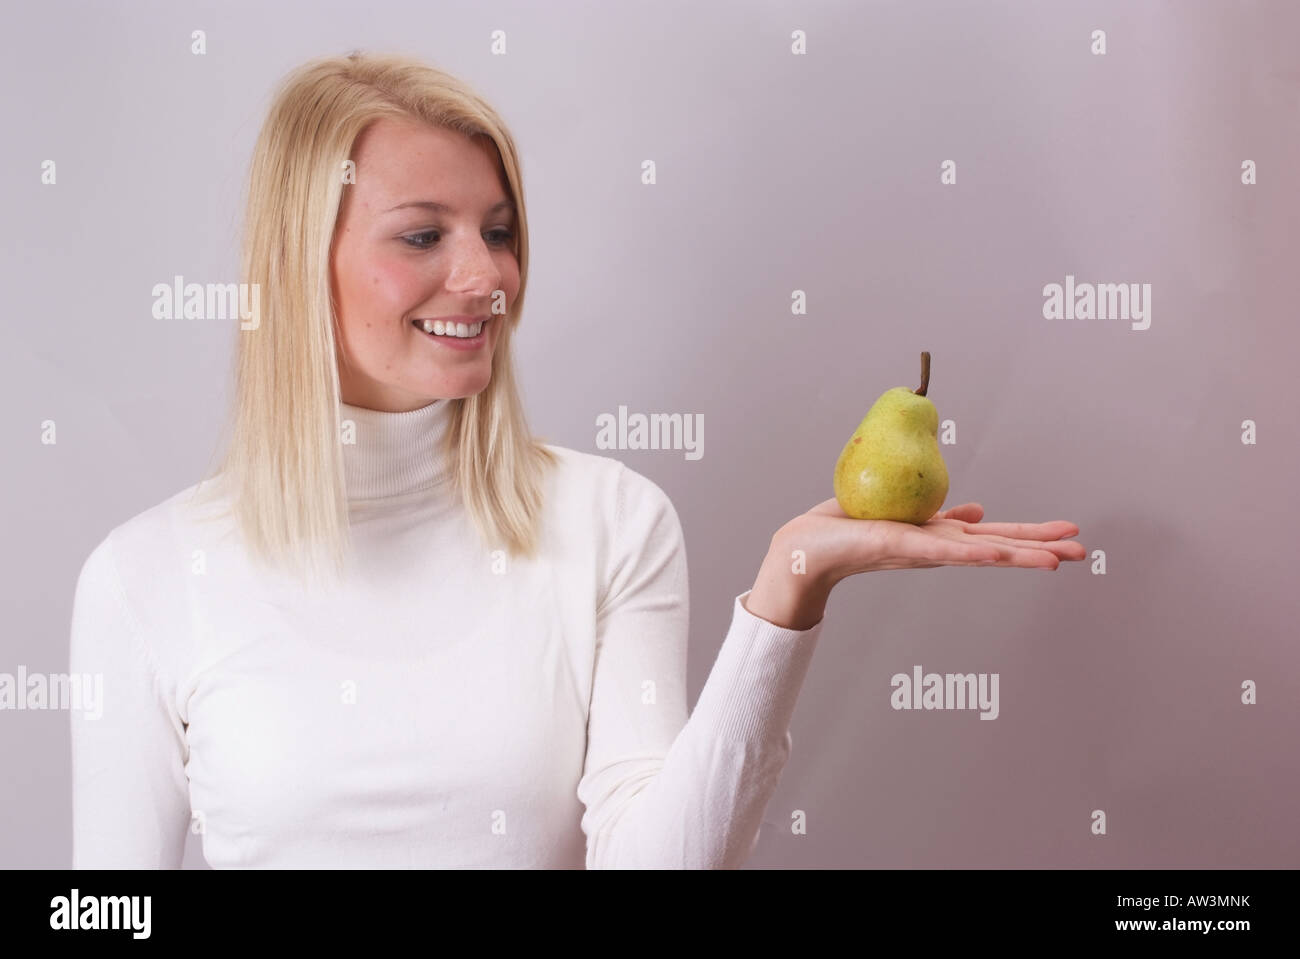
x: 785, y: 592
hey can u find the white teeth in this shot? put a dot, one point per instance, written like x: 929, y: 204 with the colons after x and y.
x: 439, y: 328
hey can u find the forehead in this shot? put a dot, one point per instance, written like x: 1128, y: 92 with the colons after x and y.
x: 405, y: 159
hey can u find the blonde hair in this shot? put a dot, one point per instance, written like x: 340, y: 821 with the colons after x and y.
x: 282, y: 474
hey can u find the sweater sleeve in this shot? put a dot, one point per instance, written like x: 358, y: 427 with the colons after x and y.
x: 130, y: 794
x: 662, y: 791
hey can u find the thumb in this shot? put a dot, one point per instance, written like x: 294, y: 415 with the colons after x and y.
x: 966, y: 512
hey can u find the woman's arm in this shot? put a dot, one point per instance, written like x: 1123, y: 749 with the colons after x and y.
x: 662, y: 790
x: 665, y: 791
x: 130, y: 794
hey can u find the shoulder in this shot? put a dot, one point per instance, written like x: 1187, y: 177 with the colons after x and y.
x: 154, y: 530
x: 621, y: 496
x: 144, y: 559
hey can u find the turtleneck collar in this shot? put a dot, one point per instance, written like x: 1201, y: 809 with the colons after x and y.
x: 395, y: 453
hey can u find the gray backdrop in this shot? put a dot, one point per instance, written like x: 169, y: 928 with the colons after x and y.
x: 776, y: 172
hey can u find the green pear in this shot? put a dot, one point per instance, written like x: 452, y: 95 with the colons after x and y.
x: 891, y: 467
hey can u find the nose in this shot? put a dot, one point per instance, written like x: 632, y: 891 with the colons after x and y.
x: 473, y: 269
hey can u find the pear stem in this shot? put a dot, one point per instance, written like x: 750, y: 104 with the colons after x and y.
x: 925, y: 375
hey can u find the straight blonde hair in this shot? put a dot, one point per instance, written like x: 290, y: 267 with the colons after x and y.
x: 282, y: 474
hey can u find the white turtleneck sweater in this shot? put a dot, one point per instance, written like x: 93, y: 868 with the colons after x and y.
x: 435, y: 711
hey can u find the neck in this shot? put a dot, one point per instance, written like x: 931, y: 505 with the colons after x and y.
x: 391, y: 454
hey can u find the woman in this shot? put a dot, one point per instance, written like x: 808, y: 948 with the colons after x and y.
x: 393, y: 629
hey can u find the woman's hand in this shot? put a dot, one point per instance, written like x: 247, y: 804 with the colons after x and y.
x: 833, y: 546
x: 842, y: 546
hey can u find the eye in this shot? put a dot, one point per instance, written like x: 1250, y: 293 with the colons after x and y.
x: 422, y: 241
x: 411, y: 240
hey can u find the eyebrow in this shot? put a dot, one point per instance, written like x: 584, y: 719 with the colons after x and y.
x: 434, y: 207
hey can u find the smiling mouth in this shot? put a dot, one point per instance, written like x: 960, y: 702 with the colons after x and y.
x: 451, y: 331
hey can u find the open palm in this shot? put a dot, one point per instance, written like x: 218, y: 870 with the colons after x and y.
x: 838, y: 545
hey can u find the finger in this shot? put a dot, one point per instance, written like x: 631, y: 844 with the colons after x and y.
x: 1026, y: 558
x: 1000, y: 551
x: 916, y: 545
x: 966, y: 512
x: 1007, y: 557
x: 1064, y: 549
x: 1057, y: 529
x: 997, y: 556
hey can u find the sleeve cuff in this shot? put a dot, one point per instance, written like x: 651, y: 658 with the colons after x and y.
x: 759, y: 672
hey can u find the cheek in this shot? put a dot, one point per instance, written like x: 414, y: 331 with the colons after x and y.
x: 392, y: 288
x: 378, y: 292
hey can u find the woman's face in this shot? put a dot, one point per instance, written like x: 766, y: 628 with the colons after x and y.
x: 398, y: 257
